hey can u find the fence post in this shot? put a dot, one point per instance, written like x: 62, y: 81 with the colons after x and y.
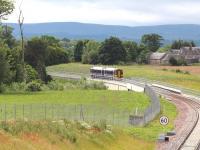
x: 45, y: 112
x: 113, y: 117
x: 15, y: 112
x: 81, y: 113
x: 5, y: 117
x: 52, y: 111
x: 23, y: 111
x: 31, y: 111
x: 75, y: 117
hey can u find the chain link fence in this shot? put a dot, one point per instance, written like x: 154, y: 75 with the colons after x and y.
x: 55, y: 112
x: 150, y: 113
x: 88, y: 112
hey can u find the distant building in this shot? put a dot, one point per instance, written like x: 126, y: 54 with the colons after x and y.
x: 156, y: 58
x: 188, y: 54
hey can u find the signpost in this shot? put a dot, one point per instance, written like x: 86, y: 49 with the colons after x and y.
x: 164, y: 120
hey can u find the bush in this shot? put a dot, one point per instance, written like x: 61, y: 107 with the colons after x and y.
x: 31, y: 73
x: 187, y: 72
x: 34, y: 86
x: 173, y: 61
x: 182, y: 62
x: 16, y: 87
x: 55, y: 85
x: 2, y: 88
x: 164, y: 69
x: 92, y: 85
x: 178, y: 71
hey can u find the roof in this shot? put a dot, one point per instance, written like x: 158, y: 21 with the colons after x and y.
x: 110, y: 69
x: 97, y: 68
x: 103, y: 68
x: 157, y: 56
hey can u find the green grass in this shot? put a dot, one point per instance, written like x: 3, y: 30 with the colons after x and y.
x: 113, y: 99
x: 73, y: 136
x: 190, y: 81
x: 90, y: 105
x: 151, y: 131
x: 143, y: 136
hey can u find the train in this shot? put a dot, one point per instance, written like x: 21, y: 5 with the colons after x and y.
x: 106, y: 73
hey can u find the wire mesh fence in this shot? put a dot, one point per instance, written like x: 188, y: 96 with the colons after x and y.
x: 54, y: 112
x: 88, y: 112
x: 150, y: 113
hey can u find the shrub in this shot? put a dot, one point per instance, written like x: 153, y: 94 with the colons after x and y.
x: 31, y: 73
x: 16, y: 87
x: 34, y: 86
x: 2, y: 88
x: 178, y: 71
x: 187, y: 72
x: 164, y: 69
x: 55, y: 85
x: 173, y: 61
x: 182, y: 62
x: 94, y: 86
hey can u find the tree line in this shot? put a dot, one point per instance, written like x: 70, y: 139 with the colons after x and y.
x: 29, y: 63
x: 115, y: 51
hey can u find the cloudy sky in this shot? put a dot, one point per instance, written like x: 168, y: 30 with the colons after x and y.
x: 114, y: 12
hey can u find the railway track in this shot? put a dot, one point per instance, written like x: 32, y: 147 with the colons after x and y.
x: 190, y: 141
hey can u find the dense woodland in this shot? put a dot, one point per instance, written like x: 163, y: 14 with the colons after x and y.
x: 26, y: 61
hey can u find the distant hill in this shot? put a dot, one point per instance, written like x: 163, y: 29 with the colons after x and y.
x: 100, y: 32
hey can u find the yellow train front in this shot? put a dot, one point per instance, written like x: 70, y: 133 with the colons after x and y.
x: 106, y: 73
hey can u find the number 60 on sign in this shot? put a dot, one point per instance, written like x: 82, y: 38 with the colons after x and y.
x: 164, y: 120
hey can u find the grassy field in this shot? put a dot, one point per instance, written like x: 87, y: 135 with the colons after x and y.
x: 126, y: 138
x: 118, y: 140
x: 32, y: 137
x: 151, y: 131
x: 159, y: 73
x: 112, y: 99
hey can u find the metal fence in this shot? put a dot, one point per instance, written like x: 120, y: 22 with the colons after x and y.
x: 151, y: 112
x: 55, y: 112
x: 88, y: 113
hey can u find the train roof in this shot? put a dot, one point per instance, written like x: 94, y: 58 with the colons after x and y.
x: 97, y: 68
x: 110, y: 69
x: 104, y: 68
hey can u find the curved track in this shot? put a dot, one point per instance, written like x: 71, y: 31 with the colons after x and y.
x: 190, y: 141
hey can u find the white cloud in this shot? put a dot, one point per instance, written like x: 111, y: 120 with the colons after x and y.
x: 129, y: 12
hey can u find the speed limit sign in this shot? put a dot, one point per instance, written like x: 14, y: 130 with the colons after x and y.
x: 164, y: 120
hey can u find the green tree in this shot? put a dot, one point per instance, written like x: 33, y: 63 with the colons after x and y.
x: 164, y: 49
x: 6, y: 8
x: 50, y: 40
x: 56, y: 55
x: 112, y: 51
x: 78, y: 51
x: 35, y: 55
x: 143, y: 54
x: 181, y: 43
x: 4, y: 64
x: 6, y: 35
x: 131, y: 50
x: 15, y: 61
x: 152, y: 41
x: 91, y: 52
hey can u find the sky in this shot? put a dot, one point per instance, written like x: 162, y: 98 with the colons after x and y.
x: 110, y: 12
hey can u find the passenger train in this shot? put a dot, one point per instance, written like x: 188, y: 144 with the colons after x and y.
x: 106, y: 73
